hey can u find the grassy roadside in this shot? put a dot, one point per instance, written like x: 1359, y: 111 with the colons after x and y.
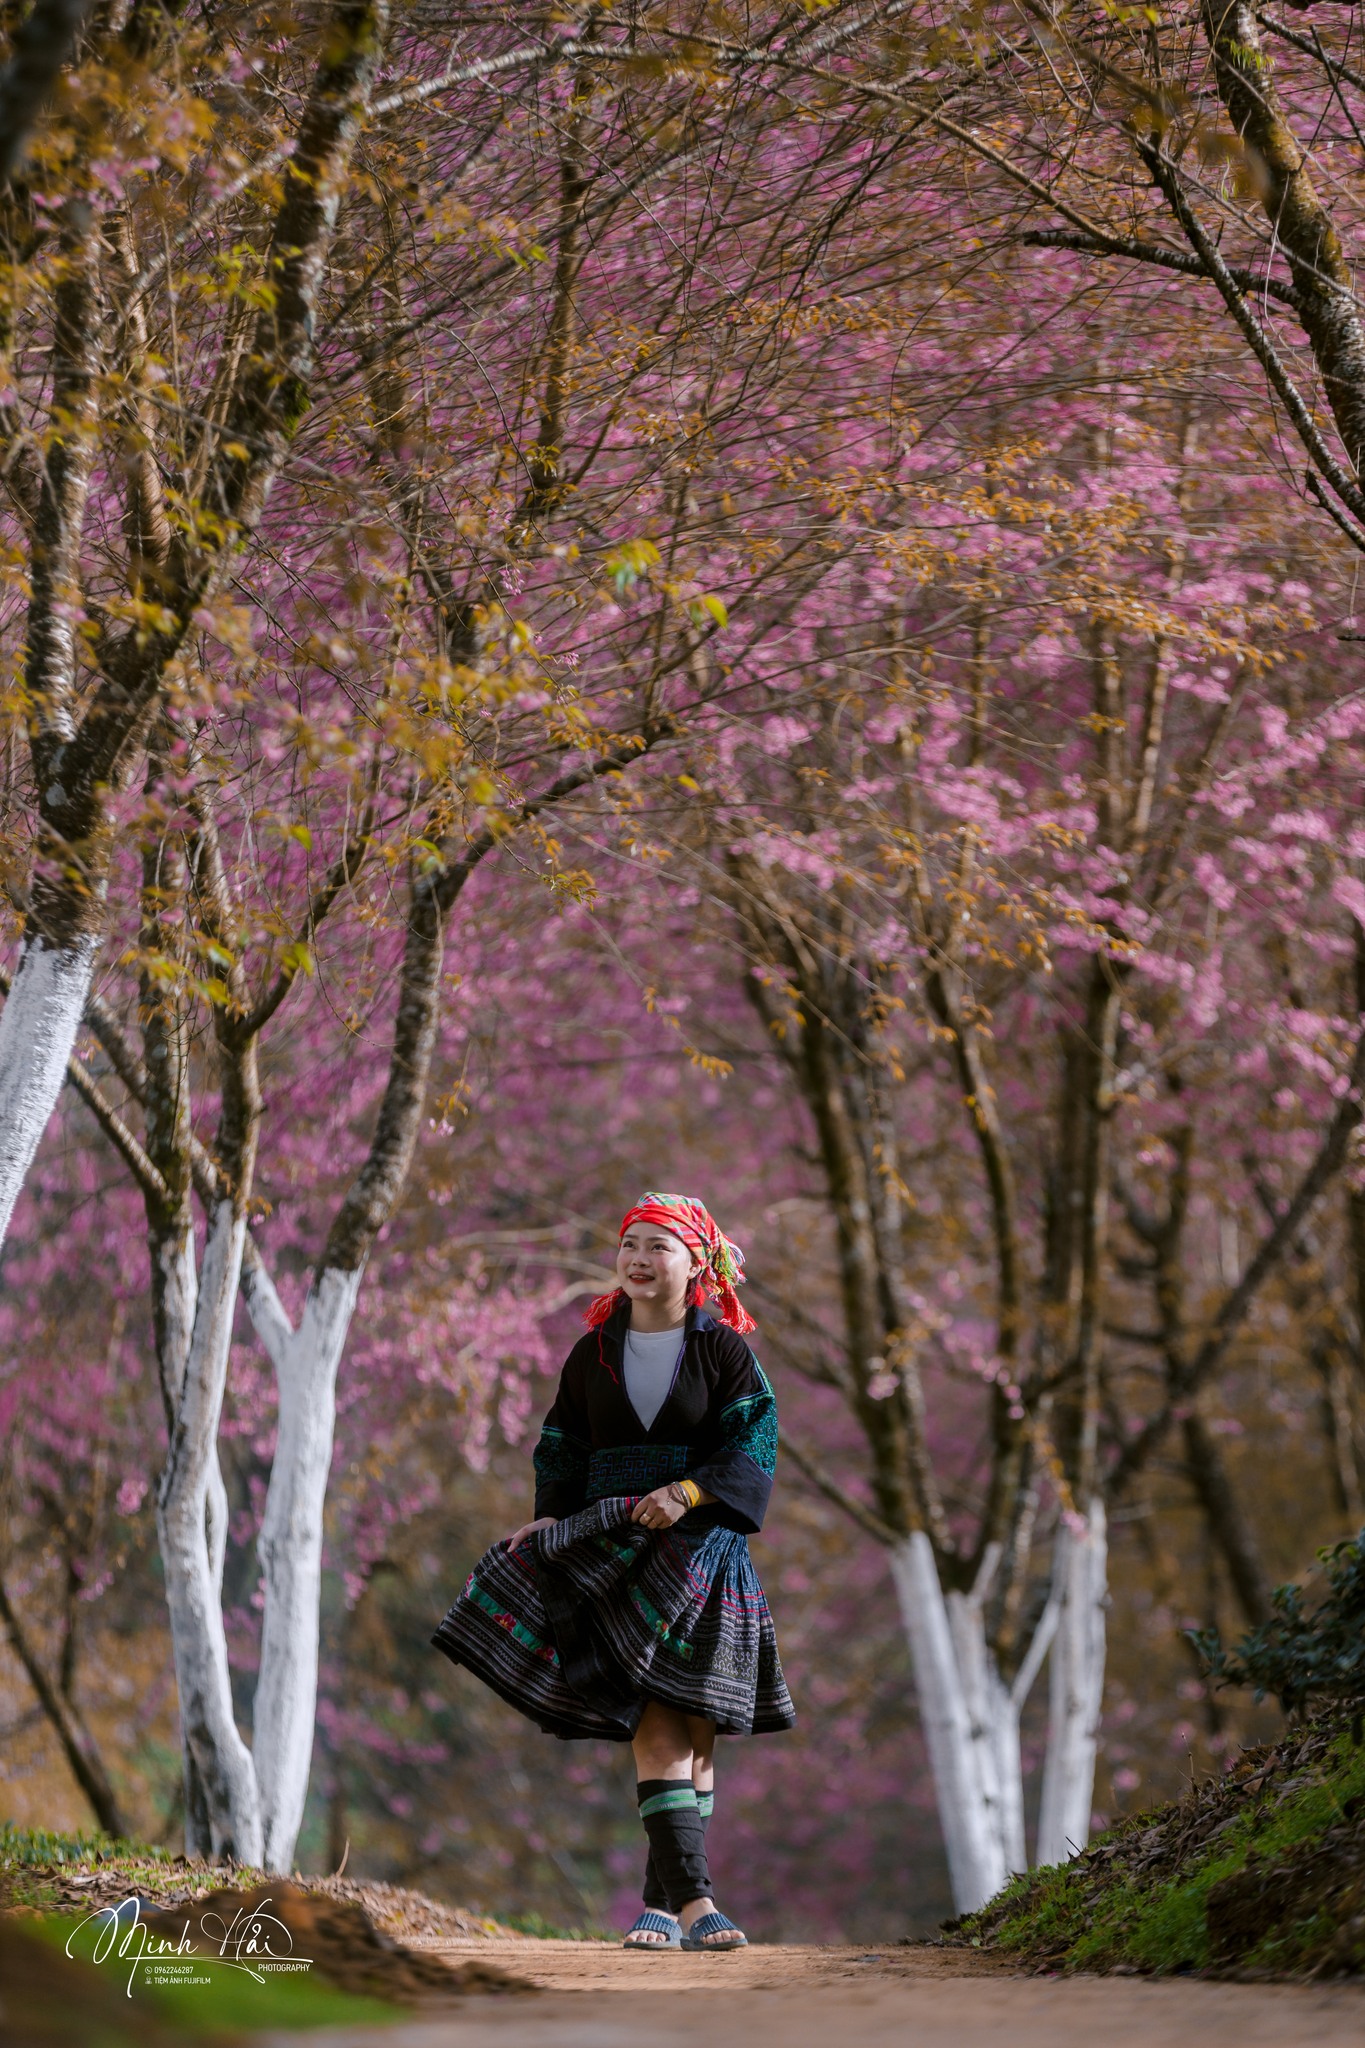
x: 1258, y: 1874
x: 212, y: 2001
x: 53, y: 1872
x: 185, y: 1962
x: 45, y: 1870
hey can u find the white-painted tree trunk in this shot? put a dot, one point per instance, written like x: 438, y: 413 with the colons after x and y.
x: 964, y: 1752
x: 971, y: 1716
x: 179, y: 1301
x: 247, y: 1803
x: 290, y: 1542
x: 192, y: 1527
x: 179, y: 1295
x: 993, y: 1722
x: 38, y: 1027
x: 1080, y: 1572
x: 198, y: 1830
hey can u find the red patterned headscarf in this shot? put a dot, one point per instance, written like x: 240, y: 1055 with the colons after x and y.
x: 723, y: 1262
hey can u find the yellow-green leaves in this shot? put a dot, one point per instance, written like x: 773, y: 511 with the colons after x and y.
x: 628, y: 563
x: 710, y: 607
x: 297, y: 958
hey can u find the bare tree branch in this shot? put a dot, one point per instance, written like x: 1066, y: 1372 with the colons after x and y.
x: 1187, y: 1380
x: 68, y: 1723
x: 1153, y: 253
x: 871, y: 1524
x: 116, y: 1130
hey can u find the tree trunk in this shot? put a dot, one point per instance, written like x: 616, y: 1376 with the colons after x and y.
x: 1302, y: 226
x: 290, y: 1547
x: 38, y: 1027
x: 41, y: 47
x: 1230, y: 1528
x: 1079, y: 1578
x: 198, y: 1828
x: 43, y: 1011
x: 191, y: 1525
x: 964, y: 1754
x: 994, y: 1722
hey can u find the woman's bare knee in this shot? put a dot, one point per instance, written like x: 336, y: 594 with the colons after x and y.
x: 662, y: 1744
x: 701, y: 1734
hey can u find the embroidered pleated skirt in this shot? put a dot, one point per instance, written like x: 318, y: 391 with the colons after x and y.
x: 591, y: 1619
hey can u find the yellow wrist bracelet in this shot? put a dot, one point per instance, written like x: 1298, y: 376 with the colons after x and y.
x: 690, y: 1491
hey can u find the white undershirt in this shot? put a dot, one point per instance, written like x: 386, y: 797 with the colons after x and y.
x: 650, y: 1360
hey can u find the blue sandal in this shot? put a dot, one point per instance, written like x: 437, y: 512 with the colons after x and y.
x: 653, y: 1923
x: 713, y: 1923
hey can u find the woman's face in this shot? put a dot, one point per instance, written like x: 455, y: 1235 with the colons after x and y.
x: 653, y: 1265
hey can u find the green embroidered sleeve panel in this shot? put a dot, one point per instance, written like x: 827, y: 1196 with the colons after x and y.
x: 750, y: 1425
x: 739, y: 1469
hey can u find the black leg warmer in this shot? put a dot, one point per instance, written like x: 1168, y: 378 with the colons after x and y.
x: 677, y: 1839
x: 653, y: 1894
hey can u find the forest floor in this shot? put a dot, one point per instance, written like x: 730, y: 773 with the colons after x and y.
x: 1256, y: 1876
x: 530, y: 1993
x: 921, y: 1993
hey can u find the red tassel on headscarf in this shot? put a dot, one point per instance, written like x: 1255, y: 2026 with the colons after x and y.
x: 601, y: 1306
x: 723, y: 1262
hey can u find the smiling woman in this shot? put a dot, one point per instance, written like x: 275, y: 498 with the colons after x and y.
x: 628, y: 1609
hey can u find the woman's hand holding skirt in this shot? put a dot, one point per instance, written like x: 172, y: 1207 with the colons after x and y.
x: 589, y: 1620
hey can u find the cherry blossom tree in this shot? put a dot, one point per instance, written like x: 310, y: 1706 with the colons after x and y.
x: 526, y: 565
x: 439, y: 724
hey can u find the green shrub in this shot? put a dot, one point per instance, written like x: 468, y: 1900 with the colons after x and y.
x: 1310, y: 1649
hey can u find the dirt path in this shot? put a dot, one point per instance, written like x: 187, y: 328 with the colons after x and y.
x: 593, y: 1996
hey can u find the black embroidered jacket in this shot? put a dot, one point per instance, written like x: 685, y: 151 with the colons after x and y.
x: 718, y: 1425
